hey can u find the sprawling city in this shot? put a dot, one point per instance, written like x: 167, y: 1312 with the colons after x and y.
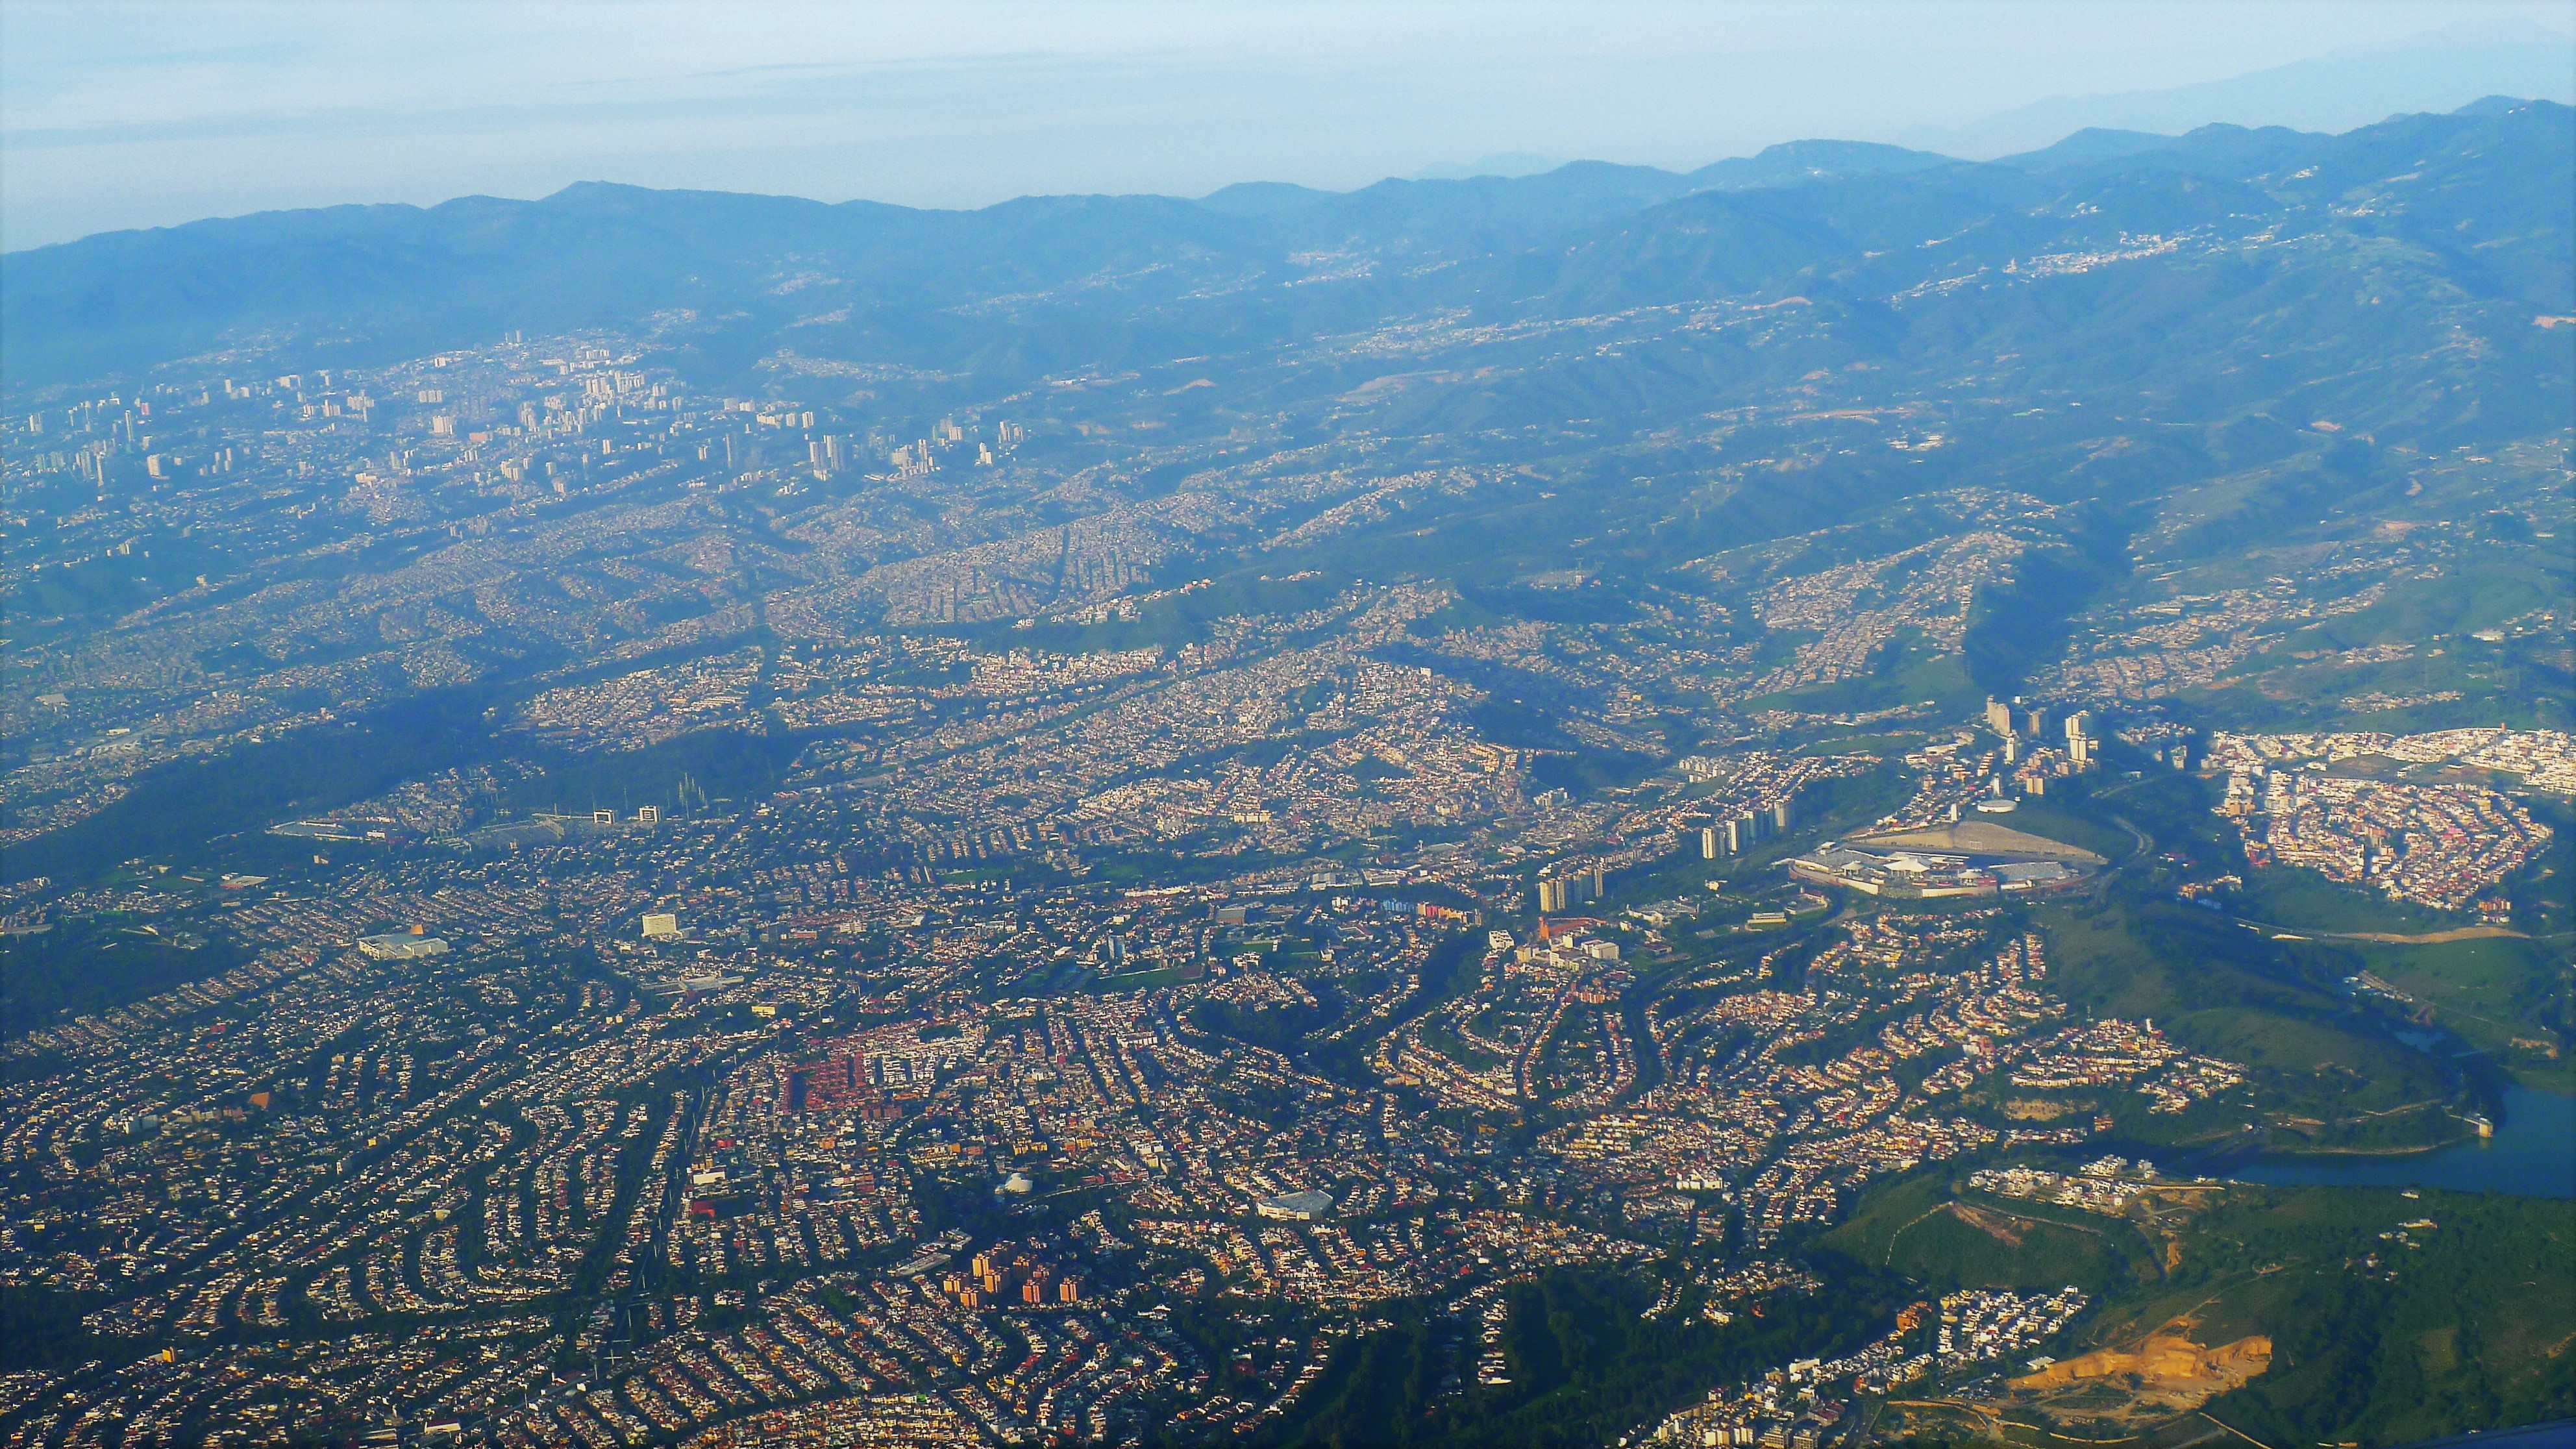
x: 1789, y: 861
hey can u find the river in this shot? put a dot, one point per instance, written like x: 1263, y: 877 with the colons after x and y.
x: 2533, y: 1154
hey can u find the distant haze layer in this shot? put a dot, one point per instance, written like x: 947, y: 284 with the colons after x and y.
x: 114, y: 117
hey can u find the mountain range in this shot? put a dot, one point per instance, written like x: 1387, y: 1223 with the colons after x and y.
x: 2462, y: 219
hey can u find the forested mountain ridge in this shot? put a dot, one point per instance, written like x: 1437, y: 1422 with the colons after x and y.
x: 2477, y: 197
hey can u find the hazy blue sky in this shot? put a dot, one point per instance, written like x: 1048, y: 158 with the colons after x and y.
x: 115, y: 115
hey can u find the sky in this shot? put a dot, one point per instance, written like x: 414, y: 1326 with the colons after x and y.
x: 118, y: 115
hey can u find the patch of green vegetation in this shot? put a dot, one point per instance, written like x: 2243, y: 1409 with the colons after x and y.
x: 2380, y: 1333
x: 1278, y: 1028
x: 992, y: 874
x: 1880, y: 743
x: 2329, y: 1072
x: 1883, y: 1228
x: 2496, y: 583
x: 1585, y: 1367
x: 2017, y: 628
x: 2467, y: 1328
x: 1462, y: 612
x: 2072, y: 821
x: 183, y: 805
x: 679, y: 774
x: 1919, y: 1229
x: 2173, y: 808
x: 2508, y: 997
x: 1172, y: 621
x: 1849, y: 802
x: 1980, y: 1245
x: 1589, y: 772
x: 2296, y: 899
x: 41, y: 1327
x: 1914, y: 672
x: 91, y: 965
x: 2489, y: 687
x: 1153, y: 980
x: 1139, y: 867
x: 1868, y: 1236
x: 1449, y: 1044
